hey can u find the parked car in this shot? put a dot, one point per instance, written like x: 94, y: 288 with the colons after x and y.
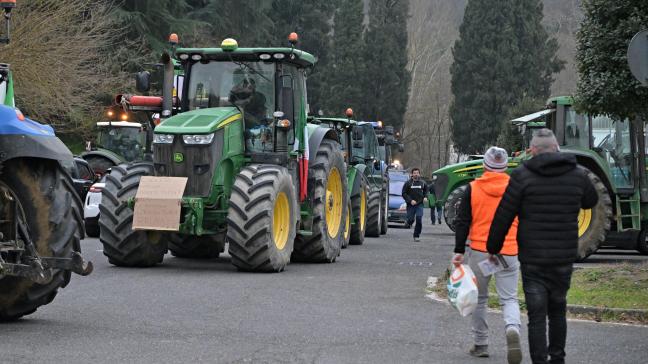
x: 82, y: 175
x: 91, y: 208
x: 397, y: 207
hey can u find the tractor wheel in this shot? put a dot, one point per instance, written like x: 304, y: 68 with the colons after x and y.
x: 99, y: 165
x: 594, y: 224
x: 262, y: 219
x: 383, y: 220
x: 642, y: 241
x: 359, y: 213
x: 195, y: 247
x: 121, y: 244
x: 48, y: 204
x: 452, y: 205
x: 374, y: 212
x: 327, y: 188
x: 347, y: 227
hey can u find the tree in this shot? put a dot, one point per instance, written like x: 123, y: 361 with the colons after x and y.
x: 386, y: 79
x: 606, y: 85
x: 345, y: 63
x: 503, y: 55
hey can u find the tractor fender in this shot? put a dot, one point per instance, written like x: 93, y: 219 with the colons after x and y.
x: 354, y: 186
x: 104, y: 154
x: 315, y: 139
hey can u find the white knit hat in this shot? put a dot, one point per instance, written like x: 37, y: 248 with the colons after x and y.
x: 495, y: 159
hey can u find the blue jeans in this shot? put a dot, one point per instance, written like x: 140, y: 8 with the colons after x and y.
x: 545, y: 292
x: 415, y: 211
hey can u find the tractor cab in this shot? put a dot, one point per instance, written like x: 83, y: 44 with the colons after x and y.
x: 126, y: 139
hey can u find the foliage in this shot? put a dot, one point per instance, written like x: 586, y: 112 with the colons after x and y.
x: 58, y: 54
x: 503, y: 55
x: 386, y: 80
x: 606, y: 85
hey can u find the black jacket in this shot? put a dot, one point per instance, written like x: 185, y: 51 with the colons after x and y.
x: 546, y: 193
x: 414, y: 190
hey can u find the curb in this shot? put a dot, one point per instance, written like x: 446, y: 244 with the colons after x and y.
x: 638, y: 316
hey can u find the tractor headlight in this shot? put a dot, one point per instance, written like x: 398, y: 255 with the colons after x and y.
x: 163, y: 138
x: 402, y: 207
x: 198, y: 138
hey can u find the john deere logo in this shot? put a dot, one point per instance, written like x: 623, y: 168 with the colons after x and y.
x: 178, y: 157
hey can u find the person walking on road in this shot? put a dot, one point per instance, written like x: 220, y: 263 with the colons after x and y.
x: 414, y: 193
x: 474, y: 218
x: 546, y: 193
x: 436, y: 209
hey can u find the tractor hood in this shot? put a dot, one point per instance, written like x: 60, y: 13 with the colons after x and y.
x: 201, y: 121
x: 13, y: 122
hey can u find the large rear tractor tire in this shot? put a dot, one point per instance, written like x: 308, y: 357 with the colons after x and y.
x: 452, y: 205
x: 385, y: 210
x: 594, y: 224
x: 100, y: 165
x: 327, y: 188
x: 262, y: 219
x: 359, y: 215
x: 48, y: 204
x: 121, y: 244
x: 195, y: 247
x: 374, y: 214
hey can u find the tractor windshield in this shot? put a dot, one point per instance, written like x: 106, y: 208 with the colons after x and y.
x: 125, y: 141
x: 615, y: 147
x: 249, y: 85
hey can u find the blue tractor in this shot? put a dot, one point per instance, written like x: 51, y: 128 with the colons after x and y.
x: 41, y: 220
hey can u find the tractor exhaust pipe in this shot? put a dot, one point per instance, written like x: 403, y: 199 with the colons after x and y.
x: 167, y: 86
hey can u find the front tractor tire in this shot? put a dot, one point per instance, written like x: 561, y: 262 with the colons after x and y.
x: 121, y: 244
x: 262, y: 219
x: 594, y: 224
x: 347, y: 227
x: 452, y: 203
x: 374, y: 214
x: 327, y: 189
x: 49, y: 206
x: 385, y: 210
x: 359, y: 214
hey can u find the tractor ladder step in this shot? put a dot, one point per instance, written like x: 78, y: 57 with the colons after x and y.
x: 628, y: 216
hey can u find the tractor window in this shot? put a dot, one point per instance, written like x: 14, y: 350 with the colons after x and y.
x: 125, y: 141
x: 576, y: 129
x: 616, y: 149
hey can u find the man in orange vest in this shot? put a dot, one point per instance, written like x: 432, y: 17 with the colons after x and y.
x: 475, y: 215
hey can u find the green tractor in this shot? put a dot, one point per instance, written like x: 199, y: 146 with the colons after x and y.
x: 612, y: 152
x: 259, y: 176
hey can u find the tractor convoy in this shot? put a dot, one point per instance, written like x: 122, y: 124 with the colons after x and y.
x: 41, y: 223
x: 261, y: 175
x: 613, y: 153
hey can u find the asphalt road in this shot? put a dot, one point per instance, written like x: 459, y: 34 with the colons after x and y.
x: 368, y: 307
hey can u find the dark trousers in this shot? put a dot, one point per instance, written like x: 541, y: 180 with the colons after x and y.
x: 436, y: 212
x: 412, y: 212
x: 545, y: 292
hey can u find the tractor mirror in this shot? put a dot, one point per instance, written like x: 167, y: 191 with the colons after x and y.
x: 358, y: 144
x: 143, y: 81
x: 401, y: 147
x: 357, y: 133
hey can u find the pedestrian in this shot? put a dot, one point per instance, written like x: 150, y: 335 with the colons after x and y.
x: 474, y: 217
x: 436, y: 209
x: 546, y: 193
x: 414, y: 193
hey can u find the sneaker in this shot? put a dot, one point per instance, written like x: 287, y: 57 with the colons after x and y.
x: 432, y: 222
x: 439, y: 221
x: 416, y: 238
x: 514, y: 351
x: 479, y: 351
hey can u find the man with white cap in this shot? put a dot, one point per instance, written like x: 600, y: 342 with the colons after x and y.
x: 475, y: 215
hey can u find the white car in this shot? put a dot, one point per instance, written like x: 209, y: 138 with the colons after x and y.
x: 91, y: 208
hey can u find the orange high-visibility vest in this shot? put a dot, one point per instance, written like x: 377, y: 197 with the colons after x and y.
x: 485, y: 195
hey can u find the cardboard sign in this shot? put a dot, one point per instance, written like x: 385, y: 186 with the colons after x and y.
x: 158, y: 202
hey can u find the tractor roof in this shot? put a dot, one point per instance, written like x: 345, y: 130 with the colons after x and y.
x: 291, y: 55
x: 560, y: 100
x: 120, y: 124
x: 336, y: 120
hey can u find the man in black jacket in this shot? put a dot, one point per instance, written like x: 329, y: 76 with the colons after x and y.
x: 414, y: 193
x: 546, y: 193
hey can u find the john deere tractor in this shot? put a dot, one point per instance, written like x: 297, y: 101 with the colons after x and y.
x: 612, y: 152
x: 259, y: 176
x: 40, y: 213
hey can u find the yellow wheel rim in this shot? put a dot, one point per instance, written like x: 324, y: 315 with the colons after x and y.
x: 584, y: 221
x: 347, y: 224
x: 334, y: 202
x: 281, y: 221
x: 363, y: 209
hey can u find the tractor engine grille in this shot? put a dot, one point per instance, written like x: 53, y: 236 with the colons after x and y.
x: 198, y: 162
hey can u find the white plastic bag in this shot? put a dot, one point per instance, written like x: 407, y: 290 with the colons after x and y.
x: 462, y: 290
